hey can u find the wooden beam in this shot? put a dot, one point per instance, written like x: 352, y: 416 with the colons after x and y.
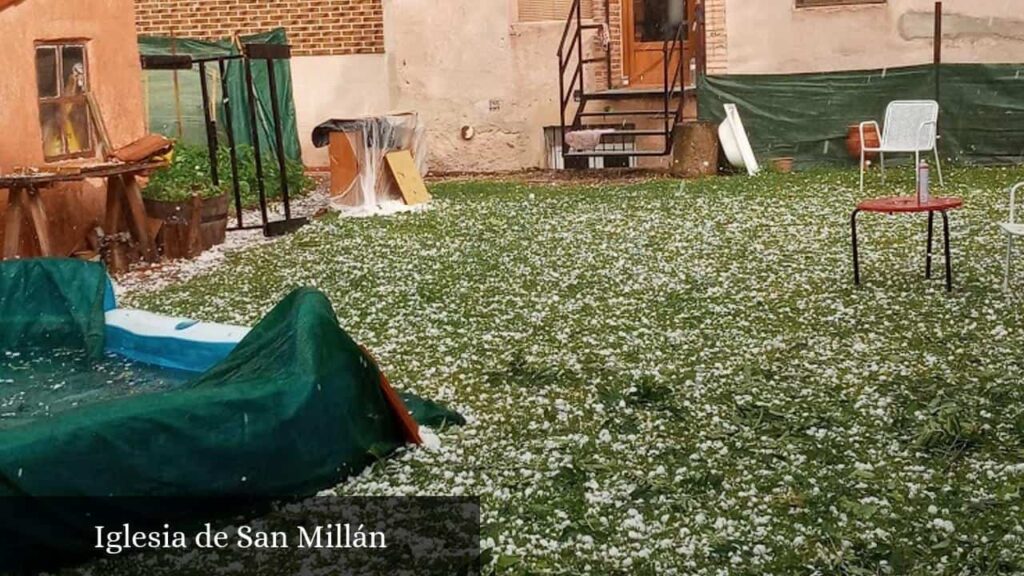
x: 12, y: 223
x: 268, y: 51
x: 100, y: 125
x: 137, y: 217
x: 37, y: 217
x: 167, y: 62
x: 112, y: 220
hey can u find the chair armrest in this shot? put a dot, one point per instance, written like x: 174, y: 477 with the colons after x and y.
x: 878, y: 130
x: 1013, y: 202
x: 924, y: 145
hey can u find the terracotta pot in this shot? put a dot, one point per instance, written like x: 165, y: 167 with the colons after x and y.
x: 853, y: 143
x: 783, y: 165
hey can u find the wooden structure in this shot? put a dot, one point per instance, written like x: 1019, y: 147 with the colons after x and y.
x: 124, y: 201
x: 73, y: 95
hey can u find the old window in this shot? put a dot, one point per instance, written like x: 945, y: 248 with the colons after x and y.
x: 657, y: 20
x: 62, y: 79
x: 542, y: 10
x: 812, y: 3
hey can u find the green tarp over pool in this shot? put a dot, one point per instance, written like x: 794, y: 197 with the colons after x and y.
x: 296, y: 407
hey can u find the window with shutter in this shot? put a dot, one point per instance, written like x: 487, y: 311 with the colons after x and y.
x: 544, y: 10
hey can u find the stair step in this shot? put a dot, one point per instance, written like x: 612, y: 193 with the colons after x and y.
x: 628, y: 132
x: 614, y: 153
x: 630, y: 94
x: 658, y: 113
x: 591, y: 26
x: 594, y: 60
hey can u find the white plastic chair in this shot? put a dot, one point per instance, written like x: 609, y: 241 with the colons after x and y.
x: 910, y: 126
x: 1012, y: 229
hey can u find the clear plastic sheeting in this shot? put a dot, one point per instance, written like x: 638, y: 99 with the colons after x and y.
x: 360, y: 181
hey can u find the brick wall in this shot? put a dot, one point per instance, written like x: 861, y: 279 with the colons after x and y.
x: 614, y: 32
x: 716, y: 37
x: 315, y: 27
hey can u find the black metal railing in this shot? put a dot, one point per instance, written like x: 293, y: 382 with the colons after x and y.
x: 574, y: 23
x: 669, y: 49
x: 571, y: 57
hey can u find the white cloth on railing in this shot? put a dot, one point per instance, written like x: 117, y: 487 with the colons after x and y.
x: 583, y: 140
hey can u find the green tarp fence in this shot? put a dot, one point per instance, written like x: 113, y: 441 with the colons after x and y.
x: 163, y: 107
x: 806, y: 116
x: 295, y: 408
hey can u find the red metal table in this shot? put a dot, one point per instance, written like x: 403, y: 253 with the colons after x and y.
x: 910, y: 205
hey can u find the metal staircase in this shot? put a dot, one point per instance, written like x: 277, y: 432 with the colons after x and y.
x: 572, y: 56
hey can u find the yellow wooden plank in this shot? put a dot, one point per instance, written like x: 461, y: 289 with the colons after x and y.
x: 410, y: 183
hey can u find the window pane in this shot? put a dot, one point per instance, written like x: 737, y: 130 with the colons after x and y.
x: 76, y: 128
x: 66, y: 128
x: 73, y: 65
x: 50, y: 117
x: 46, y: 71
x: 657, y: 20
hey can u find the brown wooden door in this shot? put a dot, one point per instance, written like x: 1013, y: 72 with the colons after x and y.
x: 645, y: 26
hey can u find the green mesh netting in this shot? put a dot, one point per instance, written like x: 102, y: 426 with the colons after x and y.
x: 806, y: 116
x: 165, y: 109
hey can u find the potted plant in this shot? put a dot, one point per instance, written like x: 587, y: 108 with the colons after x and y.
x: 194, y: 212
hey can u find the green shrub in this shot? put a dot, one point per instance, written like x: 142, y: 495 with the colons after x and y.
x: 298, y: 183
x: 189, y: 174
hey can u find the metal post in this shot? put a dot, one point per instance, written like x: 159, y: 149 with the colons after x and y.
x: 255, y: 130
x: 579, y: 45
x: 949, y: 257
x: 279, y: 139
x: 856, y: 256
x: 666, y: 55
x: 211, y: 129
x: 928, y: 262
x: 611, y: 45
x: 561, y: 108
x: 702, y: 39
x: 232, y: 149
x: 938, y: 50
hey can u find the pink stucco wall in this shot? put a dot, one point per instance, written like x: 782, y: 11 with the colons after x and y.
x: 115, y: 80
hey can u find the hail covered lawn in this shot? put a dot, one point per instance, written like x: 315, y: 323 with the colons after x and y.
x: 665, y: 378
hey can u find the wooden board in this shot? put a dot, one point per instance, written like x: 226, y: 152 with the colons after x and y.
x: 344, y: 167
x: 407, y: 176
x: 99, y: 124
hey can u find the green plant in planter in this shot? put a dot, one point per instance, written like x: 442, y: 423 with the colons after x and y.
x: 189, y: 174
x: 298, y: 183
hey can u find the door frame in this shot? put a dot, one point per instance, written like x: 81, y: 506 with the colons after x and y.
x: 630, y: 45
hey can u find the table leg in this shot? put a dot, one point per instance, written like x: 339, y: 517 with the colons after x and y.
x: 949, y: 259
x: 856, y: 256
x: 37, y: 216
x: 928, y: 261
x: 112, y: 221
x: 137, y: 217
x: 12, y: 223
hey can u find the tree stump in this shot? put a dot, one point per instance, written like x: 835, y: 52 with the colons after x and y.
x: 695, y: 149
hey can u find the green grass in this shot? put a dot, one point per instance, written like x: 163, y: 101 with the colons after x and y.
x: 673, y: 377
